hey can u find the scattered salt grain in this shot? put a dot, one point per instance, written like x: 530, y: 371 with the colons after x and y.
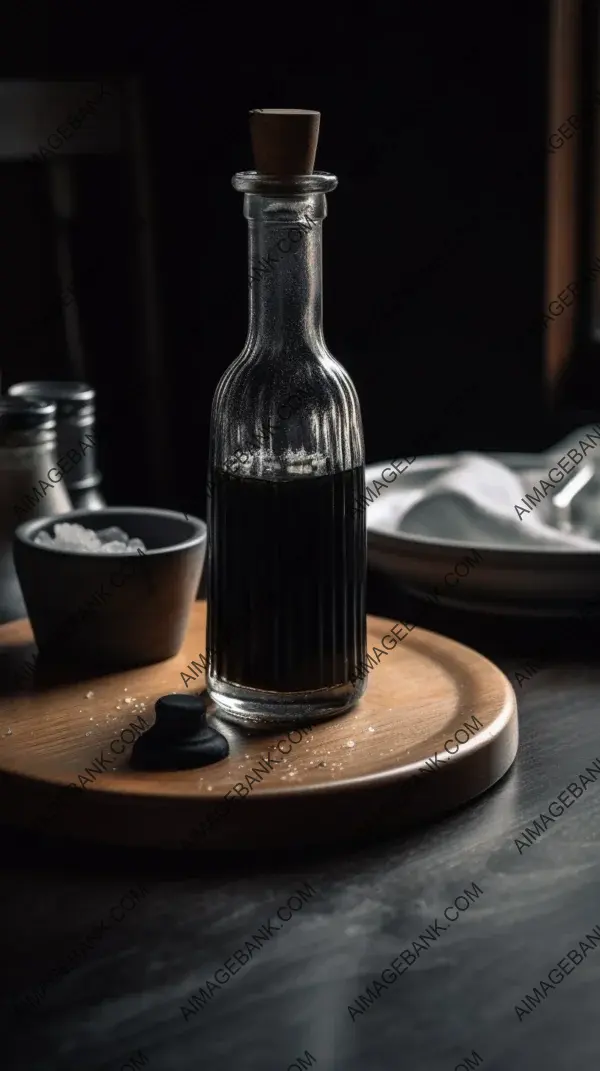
x: 350, y: 743
x: 129, y: 699
x: 89, y: 695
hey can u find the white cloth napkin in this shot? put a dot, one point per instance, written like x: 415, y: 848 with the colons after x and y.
x: 474, y: 501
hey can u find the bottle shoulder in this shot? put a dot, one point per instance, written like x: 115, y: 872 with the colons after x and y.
x: 277, y: 416
x: 264, y: 376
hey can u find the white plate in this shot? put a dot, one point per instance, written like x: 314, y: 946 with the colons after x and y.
x: 505, y: 580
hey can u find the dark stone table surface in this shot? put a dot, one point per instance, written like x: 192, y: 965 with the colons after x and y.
x: 187, y: 916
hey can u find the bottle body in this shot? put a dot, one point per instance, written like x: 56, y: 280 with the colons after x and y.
x: 287, y: 547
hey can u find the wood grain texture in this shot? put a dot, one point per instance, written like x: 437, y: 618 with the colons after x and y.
x: 338, y: 780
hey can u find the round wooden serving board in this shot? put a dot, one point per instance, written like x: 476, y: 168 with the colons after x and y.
x: 436, y: 727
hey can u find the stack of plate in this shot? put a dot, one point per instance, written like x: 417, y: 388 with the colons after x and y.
x: 475, y: 576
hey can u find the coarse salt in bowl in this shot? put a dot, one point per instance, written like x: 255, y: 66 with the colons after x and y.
x: 110, y: 589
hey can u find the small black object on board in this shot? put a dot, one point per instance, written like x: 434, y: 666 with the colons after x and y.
x: 180, y: 739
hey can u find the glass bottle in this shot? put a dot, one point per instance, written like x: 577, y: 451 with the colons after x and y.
x: 75, y: 418
x: 286, y: 626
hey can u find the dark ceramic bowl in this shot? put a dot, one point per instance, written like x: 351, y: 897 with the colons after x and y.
x: 112, y: 611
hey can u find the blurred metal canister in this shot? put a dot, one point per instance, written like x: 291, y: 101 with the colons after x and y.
x: 31, y: 484
x: 75, y: 416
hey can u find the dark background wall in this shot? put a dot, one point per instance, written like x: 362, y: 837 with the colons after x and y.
x: 434, y: 120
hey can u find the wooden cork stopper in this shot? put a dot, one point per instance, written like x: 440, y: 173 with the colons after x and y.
x: 284, y: 140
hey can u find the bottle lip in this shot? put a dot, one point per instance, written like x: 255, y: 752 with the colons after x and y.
x: 292, y: 186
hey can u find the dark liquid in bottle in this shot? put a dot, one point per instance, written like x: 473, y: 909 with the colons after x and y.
x: 286, y: 584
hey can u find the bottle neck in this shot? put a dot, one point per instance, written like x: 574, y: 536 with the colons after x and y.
x: 285, y: 272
